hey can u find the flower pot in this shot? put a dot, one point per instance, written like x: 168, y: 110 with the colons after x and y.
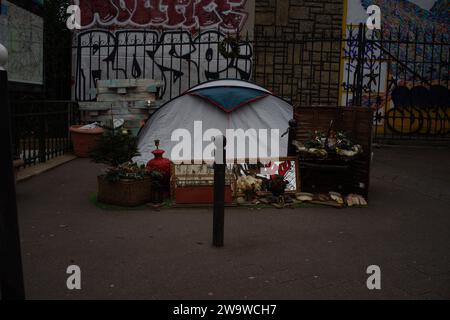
x: 127, y: 193
x: 84, y: 140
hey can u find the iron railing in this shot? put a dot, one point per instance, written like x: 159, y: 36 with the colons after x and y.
x: 303, y: 71
x: 403, y: 76
x: 40, y: 129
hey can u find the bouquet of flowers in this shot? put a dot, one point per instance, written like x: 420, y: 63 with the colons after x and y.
x: 248, y: 185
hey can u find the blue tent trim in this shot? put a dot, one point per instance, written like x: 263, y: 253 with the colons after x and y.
x: 229, y: 98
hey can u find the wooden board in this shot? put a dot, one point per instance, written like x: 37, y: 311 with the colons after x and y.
x: 356, y: 121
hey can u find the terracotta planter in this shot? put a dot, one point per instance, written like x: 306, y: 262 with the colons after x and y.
x: 127, y: 193
x: 84, y: 140
x: 199, y: 195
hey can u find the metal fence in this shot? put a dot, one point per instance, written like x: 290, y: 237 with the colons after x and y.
x: 40, y: 129
x: 302, y: 70
x: 402, y: 75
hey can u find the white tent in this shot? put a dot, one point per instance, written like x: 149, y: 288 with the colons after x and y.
x: 221, y: 105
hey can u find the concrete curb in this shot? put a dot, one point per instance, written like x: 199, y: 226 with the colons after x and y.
x: 30, y: 172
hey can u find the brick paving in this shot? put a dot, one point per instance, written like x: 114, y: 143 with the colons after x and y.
x: 306, y: 253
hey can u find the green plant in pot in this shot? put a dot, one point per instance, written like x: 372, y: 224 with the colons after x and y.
x: 114, y: 148
x: 123, y: 183
x: 128, y: 171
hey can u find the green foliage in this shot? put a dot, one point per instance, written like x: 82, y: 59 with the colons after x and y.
x: 126, y: 171
x: 315, y: 140
x: 115, y: 148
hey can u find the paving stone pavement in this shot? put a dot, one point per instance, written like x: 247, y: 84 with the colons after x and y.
x: 313, y: 253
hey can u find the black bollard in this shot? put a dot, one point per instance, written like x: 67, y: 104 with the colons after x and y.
x: 219, y: 192
x: 11, y: 274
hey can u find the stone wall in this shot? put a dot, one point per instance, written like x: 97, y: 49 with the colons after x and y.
x: 297, y: 49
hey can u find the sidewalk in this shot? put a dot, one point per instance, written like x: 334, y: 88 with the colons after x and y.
x: 268, y: 254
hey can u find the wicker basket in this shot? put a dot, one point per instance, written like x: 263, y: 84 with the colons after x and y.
x: 130, y: 193
x: 84, y: 141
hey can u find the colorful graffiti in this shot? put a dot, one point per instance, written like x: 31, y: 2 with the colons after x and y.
x: 406, y: 22
x: 419, y: 110
x: 177, y: 58
x: 229, y: 15
x: 409, y: 54
x: 408, y: 14
x: 179, y: 42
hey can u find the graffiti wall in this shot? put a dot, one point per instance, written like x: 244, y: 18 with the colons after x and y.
x: 21, y: 32
x: 230, y: 15
x: 404, y: 63
x: 180, y: 42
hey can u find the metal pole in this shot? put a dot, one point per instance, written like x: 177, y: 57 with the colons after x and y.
x: 11, y: 274
x: 359, y: 71
x: 219, y: 192
x: 292, y: 151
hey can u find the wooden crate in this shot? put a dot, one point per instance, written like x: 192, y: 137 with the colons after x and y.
x: 356, y: 121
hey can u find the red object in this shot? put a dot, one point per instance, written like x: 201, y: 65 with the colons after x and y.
x: 84, y: 140
x: 199, y: 195
x: 192, y: 15
x: 161, y: 164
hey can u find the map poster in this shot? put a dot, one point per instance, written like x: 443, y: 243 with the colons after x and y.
x: 21, y: 32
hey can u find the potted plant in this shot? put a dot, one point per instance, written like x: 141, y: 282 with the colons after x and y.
x: 85, y: 139
x: 124, y: 183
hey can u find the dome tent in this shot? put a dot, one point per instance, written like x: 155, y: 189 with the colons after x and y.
x: 219, y: 105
